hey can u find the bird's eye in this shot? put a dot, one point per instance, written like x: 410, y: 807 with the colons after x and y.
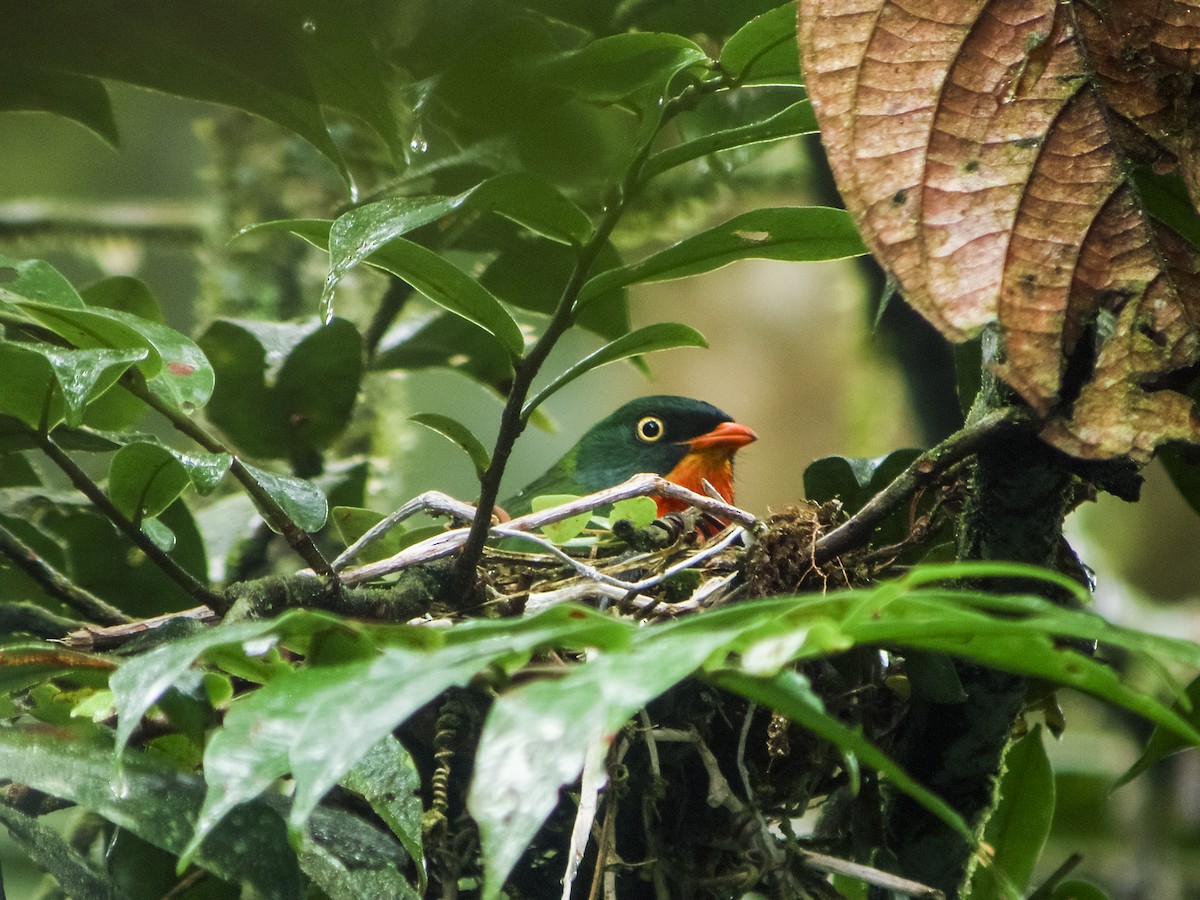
x: 649, y: 429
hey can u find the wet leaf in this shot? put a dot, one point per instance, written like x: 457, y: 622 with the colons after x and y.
x: 144, y: 478
x: 660, y: 336
x: 304, y: 502
x: 387, y: 778
x: 152, y: 799
x: 986, y: 164
x: 794, y: 234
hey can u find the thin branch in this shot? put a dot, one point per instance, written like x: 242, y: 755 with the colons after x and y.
x: 644, y: 485
x: 56, y: 584
x: 514, y: 417
x: 99, y: 499
x: 869, y: 875
x: 433, y: 502
x: 280, y: 521
x: 91, y: 638
x: 924, y: 470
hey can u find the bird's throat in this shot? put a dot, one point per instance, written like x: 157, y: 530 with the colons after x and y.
x: 711, y: 464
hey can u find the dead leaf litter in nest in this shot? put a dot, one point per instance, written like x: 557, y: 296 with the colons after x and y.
x: 984, y: 146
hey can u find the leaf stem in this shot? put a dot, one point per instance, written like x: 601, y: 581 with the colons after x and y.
x: 298, y: 539
x: 56, y: 584
x: 100, y: 500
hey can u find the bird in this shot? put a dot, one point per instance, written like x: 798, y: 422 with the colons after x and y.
x: 685, y: 441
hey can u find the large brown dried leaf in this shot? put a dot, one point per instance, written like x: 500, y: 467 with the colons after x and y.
x: 978, y: 149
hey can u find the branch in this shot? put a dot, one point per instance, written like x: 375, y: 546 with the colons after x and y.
x: 56, y: 584
x: 514, y: 417
x: 924, y: 470
x: 99, y: 499
x: 644, y: 485
x: 280, y: 521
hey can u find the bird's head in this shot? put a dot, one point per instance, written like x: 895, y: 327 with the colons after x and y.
x: 686, y: 441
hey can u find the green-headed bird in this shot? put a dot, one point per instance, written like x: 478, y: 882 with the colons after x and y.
x: 686, y: 441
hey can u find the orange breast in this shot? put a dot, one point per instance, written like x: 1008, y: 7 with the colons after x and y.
x: 711, y: 464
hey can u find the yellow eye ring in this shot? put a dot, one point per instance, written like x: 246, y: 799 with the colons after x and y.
x: 650, y: 429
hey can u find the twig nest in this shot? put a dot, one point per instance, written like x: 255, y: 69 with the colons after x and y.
x: 781, y: 559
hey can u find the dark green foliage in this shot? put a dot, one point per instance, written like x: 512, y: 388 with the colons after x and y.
x: 503, y: 164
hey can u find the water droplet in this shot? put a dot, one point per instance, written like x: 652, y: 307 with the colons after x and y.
x: 119, y: 785
x: 309, y: 26
x: 418, y: 144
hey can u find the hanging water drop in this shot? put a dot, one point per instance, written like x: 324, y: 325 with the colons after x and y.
x: 308, y: 26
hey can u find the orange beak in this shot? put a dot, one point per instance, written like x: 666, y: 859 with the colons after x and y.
x: 727, y: 435
x: 709, y: 458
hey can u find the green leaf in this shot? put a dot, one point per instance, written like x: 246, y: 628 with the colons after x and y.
x: 854, y: 480
x: 77, y: 97
x: 282, y: 61
x: 429, y: 273
x: 35, y: 279
x: 46, y: 847
x: 144, y: 478
x: 387, y: 778
x: 153, y: 800
x: 1018, y: 828
x: 124, y: 294
x: 353, y: 522
x: 533, y: 203
x: 143, y: 679
x: 536, y: 736
x: 357, y: 234
x: 283, y: 390
x: 660, y: 336
x: 460, y: 434
x: 795, y: 234
x: 795, y: 120
x: 1163, y: 742
x: 612, y: 68
x: 1183, y: 467
x: 765, y: 50
x: 1166, y: 199
x: 561, y: 532
x: 347, y: 877
x: 47, y: 385
x: 319, y: 721
x: 638, y: 511
x: 304, y: 502
x: 120, y: 314
x: 448, y: 286
x: 361, y: 233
